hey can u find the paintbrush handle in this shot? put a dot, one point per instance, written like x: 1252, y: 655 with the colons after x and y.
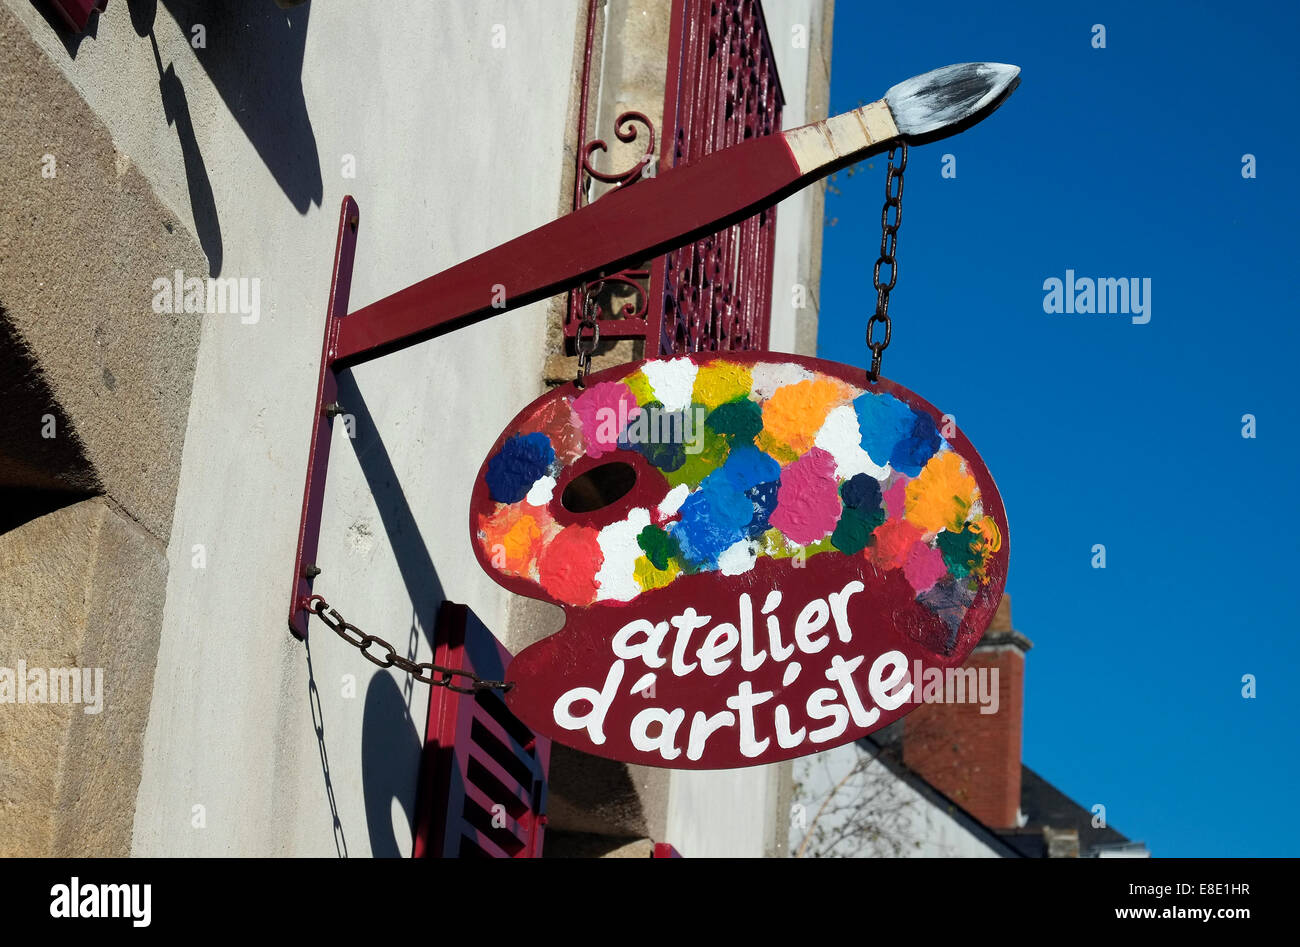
x: 820, y: 148
x: 625, y: 226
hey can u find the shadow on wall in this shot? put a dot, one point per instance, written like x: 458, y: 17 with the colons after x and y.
x: 71, y: 41
x: 392, y: 726
x: 43, y: 462
x: 176, y: 109
x: 318, y: 724
x: 253, y: 55
x: 202, y: 204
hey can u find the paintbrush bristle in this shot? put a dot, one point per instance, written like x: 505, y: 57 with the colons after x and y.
x: 944, y: 101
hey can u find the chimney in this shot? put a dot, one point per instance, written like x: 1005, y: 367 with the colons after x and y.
x: 1061, y: 843
x: 972, y: 757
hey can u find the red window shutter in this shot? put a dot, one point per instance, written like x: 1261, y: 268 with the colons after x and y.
x: 76, y: 13
x: 483, y: 776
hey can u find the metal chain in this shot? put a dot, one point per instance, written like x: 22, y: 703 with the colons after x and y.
x: 888, y: 248
x: 588, y: 345
x: 423, y: 672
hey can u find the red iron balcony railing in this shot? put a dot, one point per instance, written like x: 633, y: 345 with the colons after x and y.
x: 721, y: 88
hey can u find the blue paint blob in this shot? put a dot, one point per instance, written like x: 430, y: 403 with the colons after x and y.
x: 518, y: 465
x: 763, y: 498
x: 713, y: 517
x: 747, y: 467
x: 949, y: 598
x: 911, y: 453
x: 883, y: 421
x: 861, y: 492
x: 657, y: 435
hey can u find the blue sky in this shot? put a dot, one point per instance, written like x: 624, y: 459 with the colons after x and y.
x: 1117, y: 162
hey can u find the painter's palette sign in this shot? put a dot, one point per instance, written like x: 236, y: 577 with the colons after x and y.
x: 752, y: 550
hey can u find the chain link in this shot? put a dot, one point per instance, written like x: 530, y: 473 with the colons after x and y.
x: 888, y: 250
x: 586, y: 346
x: 389, y: 658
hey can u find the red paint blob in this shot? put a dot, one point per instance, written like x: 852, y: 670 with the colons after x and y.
x: 568, y: 566
x: 893, y: 542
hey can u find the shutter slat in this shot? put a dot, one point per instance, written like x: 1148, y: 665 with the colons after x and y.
x: 473, y: 757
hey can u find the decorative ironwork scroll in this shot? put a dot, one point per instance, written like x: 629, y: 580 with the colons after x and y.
x: 721, y: 88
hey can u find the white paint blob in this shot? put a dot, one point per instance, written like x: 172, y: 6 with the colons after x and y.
x: 673, y: 380
x: 769, y: 376
x: 739, y: 558
x: 541, y: 491
x: 674, y: 500
x: 616, y: 580
x: 840, y: 437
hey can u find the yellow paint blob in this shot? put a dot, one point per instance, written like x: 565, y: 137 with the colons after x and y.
x: 795, y: 413
x: 941, y: 497
x: 990, y: 535
x: 641, y: 388
x: 719, y: 382
x: 648, y: 577
x: 776, y: 546
x: 779, y: 451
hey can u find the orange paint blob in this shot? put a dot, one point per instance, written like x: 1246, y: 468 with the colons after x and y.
x: 512, y: 536
x: 795, y: 413
x: 941, y: 497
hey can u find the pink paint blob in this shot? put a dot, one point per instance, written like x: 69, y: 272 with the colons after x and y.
x: 924, y: 567
x: 808, y: 500
x: 603, y: 411
x: 895, y: 497
x: 558, y: 422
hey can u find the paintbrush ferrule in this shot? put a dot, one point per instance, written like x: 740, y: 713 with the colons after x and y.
x: 841, y: 138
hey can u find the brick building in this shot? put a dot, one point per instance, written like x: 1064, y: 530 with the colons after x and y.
x: 948, y: 779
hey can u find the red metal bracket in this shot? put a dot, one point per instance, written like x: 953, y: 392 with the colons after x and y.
x: 659, y: 215
x: 305, y: 569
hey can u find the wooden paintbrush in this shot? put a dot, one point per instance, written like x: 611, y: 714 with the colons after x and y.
x: 673, y: 209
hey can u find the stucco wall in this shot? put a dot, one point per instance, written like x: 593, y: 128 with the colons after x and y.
x: 801, y: 43
x: 457, y: 148
x: 458, y: 127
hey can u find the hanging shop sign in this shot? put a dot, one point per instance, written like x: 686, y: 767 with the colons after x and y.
x: 752, y: 551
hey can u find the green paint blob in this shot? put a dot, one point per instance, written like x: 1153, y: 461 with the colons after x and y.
x: 713, y: 453
x: 958, y: 552
x: 658, y: 546
x: 741, y: 419
x: 853, y: 532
